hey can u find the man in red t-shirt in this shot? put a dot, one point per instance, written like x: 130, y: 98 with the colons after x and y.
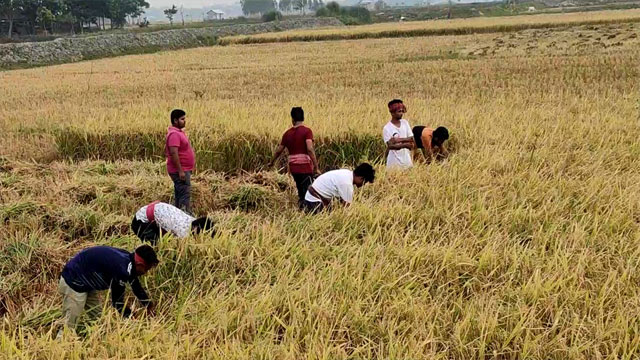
x: 298, y: 141
x: 181, y: 160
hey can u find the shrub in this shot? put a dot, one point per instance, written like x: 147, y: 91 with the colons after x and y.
x: 334, y: 8
x: 355, y: 13
x: 323, y: 12
x: 206, y: 39
x: 272, y: 15
x: 331, y: 9
x: 350, y: 15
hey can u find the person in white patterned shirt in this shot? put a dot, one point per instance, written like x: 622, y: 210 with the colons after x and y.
x: 158, y: 218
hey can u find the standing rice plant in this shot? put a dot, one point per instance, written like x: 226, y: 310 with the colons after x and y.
x: 522, y: 244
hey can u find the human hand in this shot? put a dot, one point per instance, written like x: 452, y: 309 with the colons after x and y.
x: 182, y: 175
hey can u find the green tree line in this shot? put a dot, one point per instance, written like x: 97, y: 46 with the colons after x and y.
x: 71, y: 14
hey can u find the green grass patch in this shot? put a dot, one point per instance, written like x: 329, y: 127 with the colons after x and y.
x: 230, y: 154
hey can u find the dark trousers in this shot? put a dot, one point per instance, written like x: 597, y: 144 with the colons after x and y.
x: 145, y: 231
x: 312, y: 207
x: 303, y: 181
x: 182, y: 191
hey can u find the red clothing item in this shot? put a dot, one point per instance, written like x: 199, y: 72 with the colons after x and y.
x: 295, y: 140
x: 177, y: 138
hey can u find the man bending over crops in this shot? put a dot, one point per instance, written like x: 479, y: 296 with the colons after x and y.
x: 157, y: 218
x: 298, y: 141
x: 181, y: 160
x: 431, y: 141
x: 336, y: 184
x: 99, y: 268
x: 398, y: 137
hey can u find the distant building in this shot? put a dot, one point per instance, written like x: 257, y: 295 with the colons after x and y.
x: 215, y: 15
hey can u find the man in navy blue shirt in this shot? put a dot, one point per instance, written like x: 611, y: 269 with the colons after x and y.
x: 99, y: 268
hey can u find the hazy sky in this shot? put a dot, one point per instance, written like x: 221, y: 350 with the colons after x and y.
x: 190, y: 3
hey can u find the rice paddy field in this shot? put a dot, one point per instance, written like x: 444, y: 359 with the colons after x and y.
x: 523, y: 244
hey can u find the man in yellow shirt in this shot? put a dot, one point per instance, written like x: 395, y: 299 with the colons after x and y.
x: 431, y: 141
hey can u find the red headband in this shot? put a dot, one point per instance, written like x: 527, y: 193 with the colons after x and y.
x: 397, y: 106
x: 139, y: 258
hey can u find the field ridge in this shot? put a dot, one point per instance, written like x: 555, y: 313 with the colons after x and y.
x: 350, y: 34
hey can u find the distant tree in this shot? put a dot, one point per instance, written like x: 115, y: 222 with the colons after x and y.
x: 355, y: 15
x: 45, y: 17
x: 257, y: 6
x: 301, y: 5
x: 144, y: 23
x: 10, y: 9
x: 120, y: 9
x: 272, y: 15
x: 67, y: 18
x: 323, y: 12
x: 334, y: 8
x: 82, y: 11
x: 170, y: 13
x: 316, y: 4
x: 285, y: 5
x: 92, y: 11
x: 349, y: 15
x: 31, y: 9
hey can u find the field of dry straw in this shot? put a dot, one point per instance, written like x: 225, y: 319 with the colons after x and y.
x: 524, y: 244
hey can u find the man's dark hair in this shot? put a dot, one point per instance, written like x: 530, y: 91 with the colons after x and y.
x: 297, y: 114
x: 147, y: 254
x: 441, y: 133
x: 394, y: 101
x: 203, y: 224
x: 177, y: 114
x: 365, y: 171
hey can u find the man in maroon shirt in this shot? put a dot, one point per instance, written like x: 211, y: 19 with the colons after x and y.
x: 298, y: 141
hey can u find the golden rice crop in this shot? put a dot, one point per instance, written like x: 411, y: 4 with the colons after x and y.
x: 442, y: 27
x: 523, y: 244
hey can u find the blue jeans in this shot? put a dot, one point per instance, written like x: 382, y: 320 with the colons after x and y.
x: 182, y: 191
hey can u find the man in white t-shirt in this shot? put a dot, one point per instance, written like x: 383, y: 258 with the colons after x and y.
x: 158, y: 218
x: 398, y: 137
x: 336, y: 184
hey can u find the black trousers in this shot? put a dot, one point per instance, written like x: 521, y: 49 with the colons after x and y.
x: 145, y: 231
x: 312, y: 207
x: 303, y: 181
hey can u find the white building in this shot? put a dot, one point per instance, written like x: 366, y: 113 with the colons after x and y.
x: 215, y: 15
